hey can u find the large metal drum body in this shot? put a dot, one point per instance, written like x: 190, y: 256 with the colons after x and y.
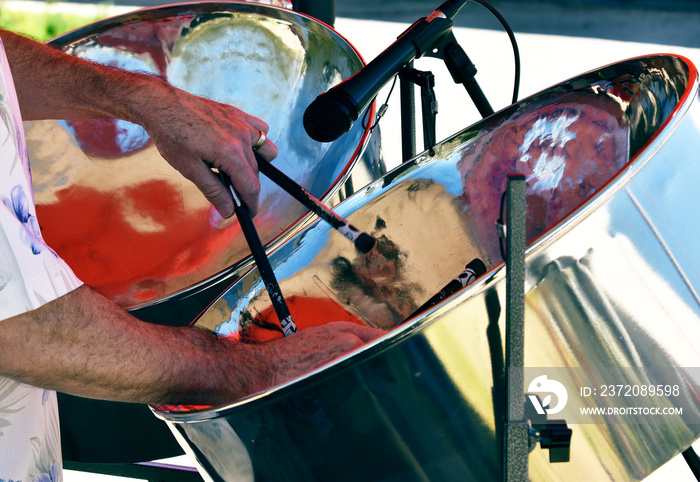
x: 126, y: 222
x: 610, y: 282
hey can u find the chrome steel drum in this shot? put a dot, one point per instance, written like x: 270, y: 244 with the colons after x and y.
x: 611, y: 281
x: 126, y: 222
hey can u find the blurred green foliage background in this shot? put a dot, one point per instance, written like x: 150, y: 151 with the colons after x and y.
x: 43, y: 25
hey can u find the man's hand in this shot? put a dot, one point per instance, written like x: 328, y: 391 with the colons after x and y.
x: 312, y: 347
x: 194, y: 134
x: 83, y: 344
x: 191, y: 133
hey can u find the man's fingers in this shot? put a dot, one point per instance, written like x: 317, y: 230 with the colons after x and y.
x: 310, y: 348
x: 341, y: 336
x: 219, y: 195
x: 246, y: 183
x: 364, y: 333
x: 268, y: 150
x: 250, y: 193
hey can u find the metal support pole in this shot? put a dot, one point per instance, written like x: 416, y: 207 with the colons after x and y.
x: 323, y: 10
x: 516, y: 430
x: 408, y: 117
x: 693, y: 461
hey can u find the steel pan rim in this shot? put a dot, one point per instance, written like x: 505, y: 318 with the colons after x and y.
x: 691, y: 93
x: 165, y: 10
x: 366, y: 351
x: 496, y: 273
x: 636, y: 162
x: 86, y: 32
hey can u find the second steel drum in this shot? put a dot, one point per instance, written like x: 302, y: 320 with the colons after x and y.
x: 611, y: 283
x: 126, y: 222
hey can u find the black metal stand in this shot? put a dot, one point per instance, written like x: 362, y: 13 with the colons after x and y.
x: 693, y: 461
x: 426, y: 82
x: 516, y: 429
x: 408, y: 116
x: 462, y: 70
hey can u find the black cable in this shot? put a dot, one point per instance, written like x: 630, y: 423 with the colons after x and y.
x: 514, y: 43
x: 516, y: 56
x: 380, y: 111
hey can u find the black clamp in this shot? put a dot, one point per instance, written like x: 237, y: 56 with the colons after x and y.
x: 554, y: 435
x: 426, y: 82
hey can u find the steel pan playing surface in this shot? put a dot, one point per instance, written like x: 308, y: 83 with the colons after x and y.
x: 126, y: 222
x: 611, y: 281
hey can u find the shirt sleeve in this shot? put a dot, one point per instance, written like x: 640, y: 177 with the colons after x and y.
x: 31, y: 273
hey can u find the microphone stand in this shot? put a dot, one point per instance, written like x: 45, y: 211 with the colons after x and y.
x: 408, y: 115
x: 463, y: 71
x: 426, y: 81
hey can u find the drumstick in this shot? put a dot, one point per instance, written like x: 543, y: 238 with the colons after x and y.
x: 260, y: 257
x: 363, y: 241
x: 473, y: 270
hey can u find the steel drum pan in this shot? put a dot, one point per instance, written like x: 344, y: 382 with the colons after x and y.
x: 126, y: 222
x: 611, y: 281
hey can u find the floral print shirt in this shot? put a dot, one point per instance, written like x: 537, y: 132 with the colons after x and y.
x: 31, y: 274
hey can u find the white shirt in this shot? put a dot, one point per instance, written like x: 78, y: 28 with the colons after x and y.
x: 31, y: 274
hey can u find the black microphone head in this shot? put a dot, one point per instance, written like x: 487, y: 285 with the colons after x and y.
x: 329, y: 116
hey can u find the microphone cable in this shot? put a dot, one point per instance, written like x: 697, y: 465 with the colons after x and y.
x: 513, y: 42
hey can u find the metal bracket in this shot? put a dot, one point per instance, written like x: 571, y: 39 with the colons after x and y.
x: 426, y: 82
x: 518, y: 437
x: 554, y: 435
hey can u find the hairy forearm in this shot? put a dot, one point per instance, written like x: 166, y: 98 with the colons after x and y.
x: 186, y: 129
x: 85, y: 345
x: 53, y: 85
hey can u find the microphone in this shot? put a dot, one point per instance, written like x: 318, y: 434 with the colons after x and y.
x: 333, y: 113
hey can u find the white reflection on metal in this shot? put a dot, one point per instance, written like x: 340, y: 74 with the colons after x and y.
x: 549, y: 167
